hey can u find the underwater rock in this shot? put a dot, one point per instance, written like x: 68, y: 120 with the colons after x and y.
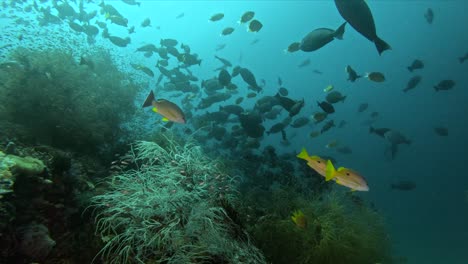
x: 35, y: 241
x: 11, y: 165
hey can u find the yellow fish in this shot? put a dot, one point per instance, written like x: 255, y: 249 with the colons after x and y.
x: 299, y: 219
x: 315, y: 162
x: 346, y: 177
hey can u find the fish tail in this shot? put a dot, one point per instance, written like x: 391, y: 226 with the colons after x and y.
x: 436, y: 88
x: 330, y: 171
x: 149, y: 99
x: 381, y: 45
x: 303, y: 155
x: 338, y: 34
x: 410, y: 69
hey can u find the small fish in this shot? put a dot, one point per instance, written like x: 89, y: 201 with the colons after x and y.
x: 363, y: 107
x: 403, y: 185
x: 441, y: 131
x: 346, y: 177
x: 463, y: 58
x: 327, y: 126
x: 220, y: 47
x: 314, y: 134
x: 444, y: 85
x: 216, y: 17
x: 227, y: 31
x: 181, y: 15
x: 239, y: 100
x: 293, y: 47
x: 255, y: 41
x: 317, y: 72
x: 299, y: 219
x: 246, y: 17
x: 255, y: 26
x: 319, y: 117
x: 415, y: 65
x: 332, y: 144
x: 328, y: 88
x: 283, y: 91
x: 326, y: 107
x: 352, y: 75
x: 375, y: 76
x: 412, y: 83
x: 169, y: 110
x: 344, y: 150
x: 280, y: 82
x: 146, y: 23
x: 304, y: 63
x: 251, y: 95
x: 429, y: 15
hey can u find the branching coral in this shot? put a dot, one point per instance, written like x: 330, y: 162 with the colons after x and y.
x: 165, y: 209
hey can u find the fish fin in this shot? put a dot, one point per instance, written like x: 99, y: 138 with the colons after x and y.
x: 303, y: 155
x: 330, y: 171
x: 381, y: 45
x: 107, y: 15
x: 149, y: 99
x: 338, y: 34
x: 165, y: 119
x: 155, y: 109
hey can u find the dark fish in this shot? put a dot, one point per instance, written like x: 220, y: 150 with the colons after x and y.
x: 379, y: 131
x: 444, y: 85
x: 293, y: 47
x: 280, y: 82
x: 352, y: 75
x: 463, y: 58
x: 441, y: 131
x: 283, y: 91
x: 276, y: 128
x: 300, y: 122
x: 246, y: 17
x: 224, y: 78
x: 224, y: 61
x: 363, y: 107
x: 317, y: 72
x: 358, y: 14
x: 131, y: 2
x: 326, y: 107
x: 429, y: 15
x: 321, y: 37
x: 217, y: 17
x: 249, y: 78
x: 87, y: 62
x: 146, y: 23
x: 327, y: 126
x: 304, y: 63
x: 220, y: 47
x: 403, y: 185
x: 168, y: 42
x: 412, y: 83
x: 181, y: 15
x: 255, y: 26
x: 417, y: 64
x: 121, y: 42
x: 227, y: 31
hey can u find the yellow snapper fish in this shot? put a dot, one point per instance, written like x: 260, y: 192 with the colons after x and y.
x: 315, y: 162
x: 169, y: 110
x: 299, y: 219
x: 346, y: 177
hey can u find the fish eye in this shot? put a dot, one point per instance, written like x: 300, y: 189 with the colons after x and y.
x: 318, y: 161
x: 347, y: 173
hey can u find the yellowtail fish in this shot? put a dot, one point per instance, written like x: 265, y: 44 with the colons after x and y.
x: 315, y: 162
x: 346, y: 177
x: 169, y: 110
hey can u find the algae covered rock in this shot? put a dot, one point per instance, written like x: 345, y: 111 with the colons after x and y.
x: 11, y: 166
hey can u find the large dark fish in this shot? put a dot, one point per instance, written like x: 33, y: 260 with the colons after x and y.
x: 358, y: 14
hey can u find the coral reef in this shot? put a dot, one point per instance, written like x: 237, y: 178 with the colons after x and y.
x: 166, y: 208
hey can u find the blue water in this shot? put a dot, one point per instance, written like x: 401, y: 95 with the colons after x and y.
x: 428, y: 224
